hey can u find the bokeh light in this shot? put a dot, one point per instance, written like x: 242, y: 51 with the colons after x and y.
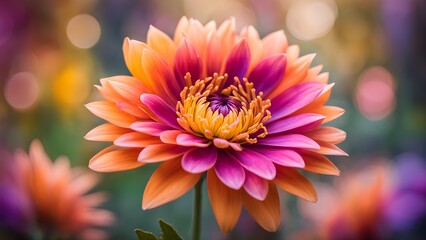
x: 197, y: 9
x: 244, y: 14
x: 72, y: 86
x: 83, y: 31
x: 375, y: 93
x: 22, y: 91
x: 219, y: 10
x: 308, y: 20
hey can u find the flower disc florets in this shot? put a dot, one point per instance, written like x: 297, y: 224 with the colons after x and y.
x: 228, y: 116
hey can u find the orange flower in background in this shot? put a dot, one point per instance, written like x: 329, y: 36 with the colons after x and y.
x: 380, y: 200
x: 244, y: 110
x: 354, y: 216
x: 58, y: 196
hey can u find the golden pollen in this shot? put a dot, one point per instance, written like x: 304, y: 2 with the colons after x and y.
x: 228, y: 116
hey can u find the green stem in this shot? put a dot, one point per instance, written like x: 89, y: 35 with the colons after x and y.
x: 196, y: 218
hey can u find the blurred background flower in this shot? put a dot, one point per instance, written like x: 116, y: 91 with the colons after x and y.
x: 374, y: 51
x: 49, y: 200
x: 15, y: 208
x: 379, y: 200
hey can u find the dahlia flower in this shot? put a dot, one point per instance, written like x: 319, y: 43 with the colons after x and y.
x: 244, y: 111
x: 57, y: 195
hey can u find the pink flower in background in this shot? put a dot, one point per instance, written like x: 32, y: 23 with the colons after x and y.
x: 245, y: 110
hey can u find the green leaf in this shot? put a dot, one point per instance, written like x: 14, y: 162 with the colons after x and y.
x: 169, y: 233
x: 144, y: 235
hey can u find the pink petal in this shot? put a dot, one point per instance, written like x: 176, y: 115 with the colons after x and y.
x: 222, y: 143
x: 254, y: 43
x: 170, y: 136
x: 160, y: 153
x: 187, y: 59
x: 131, y: 109
x: 197, y: 36
x: 107, y: 92
x: 295, y: 98
x: 190, y: 140
x: 128, y: 87
x: 199, y: 160
x: 136, y: 140
x: 289, y: 140
x: 151, y: 128
x: 275, y: 42
x: 256, y: 163
x: 160, y: 108
x: 268, y: 73
x: 256, y: 186
x: 238, y: 61
x: 181, y: 28
x: 222, y: 39
x: 282, y: 156
x: 213, y: 60
x: 301, y: 122
x: 121, y: 88
x: 229, y: 170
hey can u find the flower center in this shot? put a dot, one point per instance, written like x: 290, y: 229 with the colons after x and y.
x: 228, y: 116
x: 223, y: 103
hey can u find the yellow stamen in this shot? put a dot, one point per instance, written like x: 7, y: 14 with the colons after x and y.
x: 243, y: 125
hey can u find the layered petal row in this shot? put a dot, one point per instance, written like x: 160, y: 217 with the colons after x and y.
x: 245, y: 112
